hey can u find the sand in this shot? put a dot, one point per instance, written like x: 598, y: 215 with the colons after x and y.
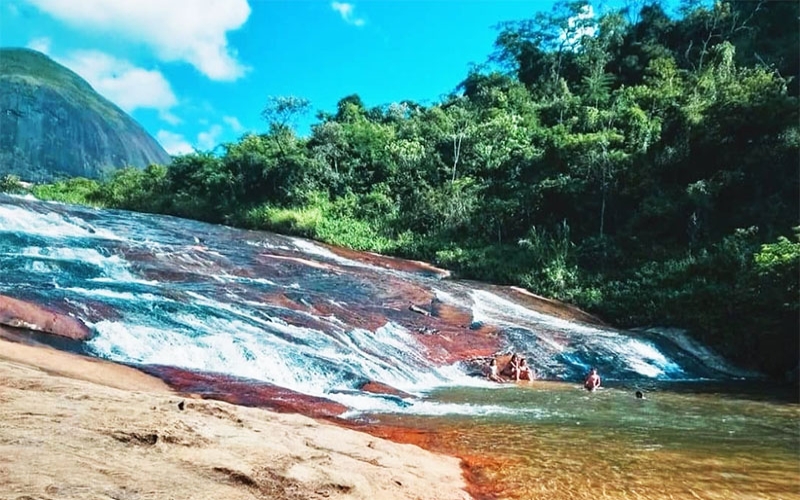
x: 75, y: 427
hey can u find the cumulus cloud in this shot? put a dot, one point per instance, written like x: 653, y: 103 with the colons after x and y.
x: 346, y: 11
x: 169, y: 117
x: 209, y: 139
x: 233, y: 123
x: 177, y: 144
x: 128, y: 86
x: 177, y: 30
x: 41, y: 44
x: 173, y: 143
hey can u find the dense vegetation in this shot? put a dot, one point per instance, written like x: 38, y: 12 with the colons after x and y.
x: 640, y: 165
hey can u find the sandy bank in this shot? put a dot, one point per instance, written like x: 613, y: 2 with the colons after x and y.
x: 73, y: 427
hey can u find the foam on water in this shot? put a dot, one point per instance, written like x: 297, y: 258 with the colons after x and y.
x: 50, y: 225
x: 311, y: 248
x: 112, y: 266
x: 360, y: 405
x: 643, y: 358
x: 450, y: 299
x: 40, y: 267
x: 628, y: 353
x: 302, y: 359
x: 490, y: 307
x: 422, y: 407
x: 709, y: 357
x: 245, y: 279
x: 128, y: 297
x: 266, y: 244
x: 391, y: 355
x: 230, y: 350
x: 108, y: 279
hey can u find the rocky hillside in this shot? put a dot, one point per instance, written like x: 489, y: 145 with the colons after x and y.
x: 53, y: 124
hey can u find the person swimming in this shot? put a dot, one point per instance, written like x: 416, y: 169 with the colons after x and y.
x: 592, y: 381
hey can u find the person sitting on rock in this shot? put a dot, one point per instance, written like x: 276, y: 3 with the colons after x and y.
x: 492, y: 373
x: 523, y: 371
x: 510, y: 368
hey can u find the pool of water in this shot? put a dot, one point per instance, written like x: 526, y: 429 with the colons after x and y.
x: 551, y: 440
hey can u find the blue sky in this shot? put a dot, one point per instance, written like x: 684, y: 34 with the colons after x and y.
x: 196, y: 73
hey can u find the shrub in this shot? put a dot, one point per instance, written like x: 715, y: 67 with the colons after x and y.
x: 77, y: 190
x: 12, y: 185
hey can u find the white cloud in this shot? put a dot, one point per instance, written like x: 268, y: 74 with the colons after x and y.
x: 41, y: 44
x: 346, y: 11
x: 177, y: 30
x: 124, y: 84
x: 233, y: 123
x: 173, y: 143
x: 209, y: 139
x: 169, y: 117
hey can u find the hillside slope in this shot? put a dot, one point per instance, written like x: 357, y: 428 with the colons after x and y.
x: 53, y: 124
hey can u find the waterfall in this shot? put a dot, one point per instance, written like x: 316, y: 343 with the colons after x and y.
x: 285, y: 310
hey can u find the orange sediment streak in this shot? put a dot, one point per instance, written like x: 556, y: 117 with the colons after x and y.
x: 478, y: 469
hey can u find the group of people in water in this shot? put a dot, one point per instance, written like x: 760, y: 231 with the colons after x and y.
x: 518, y: 369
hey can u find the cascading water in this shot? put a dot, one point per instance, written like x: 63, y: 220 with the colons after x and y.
x: 165, y: 291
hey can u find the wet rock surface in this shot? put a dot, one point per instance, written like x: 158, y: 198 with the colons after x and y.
x: 250, y: 316
x: 27, y: 315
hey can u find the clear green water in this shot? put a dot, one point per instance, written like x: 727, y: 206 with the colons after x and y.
x: 683, y: 441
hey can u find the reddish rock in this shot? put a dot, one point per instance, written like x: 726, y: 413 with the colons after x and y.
x: 451, y: 343
x: 298, y: 260
x: 451, y: 314
x: 245, y: 392
x: 364, y: 316
x: 280, y: 299
x: 504, y: 365
x: 411, y: 266
x: 449, y: 334
x: 379, y: 388
x: 21, y: 314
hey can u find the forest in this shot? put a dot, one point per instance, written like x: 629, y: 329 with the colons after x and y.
x: 640, y: 164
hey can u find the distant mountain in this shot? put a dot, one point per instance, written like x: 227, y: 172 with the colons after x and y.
x: 54, y: 125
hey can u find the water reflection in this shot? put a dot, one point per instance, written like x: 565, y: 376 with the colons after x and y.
x: 576, y: 445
